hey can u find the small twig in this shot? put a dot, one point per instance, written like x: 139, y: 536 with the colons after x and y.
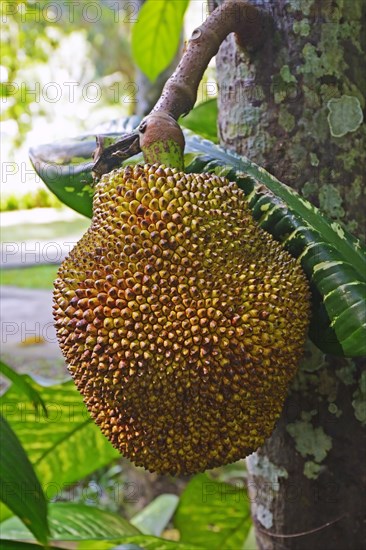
x: 304, y: 533
x: 108, y: 158
x: 180, y: 91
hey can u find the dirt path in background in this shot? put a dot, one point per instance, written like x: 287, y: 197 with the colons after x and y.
x: 28, y: 338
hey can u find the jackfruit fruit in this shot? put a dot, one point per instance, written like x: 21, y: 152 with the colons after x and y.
x: 182, y: 322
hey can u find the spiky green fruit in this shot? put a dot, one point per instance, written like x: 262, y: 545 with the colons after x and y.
x: 182, y: 321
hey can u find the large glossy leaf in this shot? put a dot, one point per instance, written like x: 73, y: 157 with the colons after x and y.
x: 213, y: 514
x: 70, y: 521
x: 66, y: 166
x: 20, y: 488
x: 95, y: 529
x: 65, y: 445
x: 156, y: 35
x: 138, y: 542
x: 71, y: 164
x: 21, y: 381
x: 334, y: 260
x: 17, y: 545
x: 91, y: 529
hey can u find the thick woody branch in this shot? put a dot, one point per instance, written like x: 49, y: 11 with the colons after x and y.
x: 180, y: 92
x: 248, y: 22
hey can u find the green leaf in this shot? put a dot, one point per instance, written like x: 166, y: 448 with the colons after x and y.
x: 17, y: 545
x: 91, y: 529
x: 154, y: 518
x: 213, y: 514
x: 66, y: 165
x: 156, y: 35
x: 333, y: 259
x: 21, y: 381
x: 139, y: 542
x: 70, y: 521
x: 203, y: 120
x: 20, y: 488
x: 64, y: 446
x: 66, y: 169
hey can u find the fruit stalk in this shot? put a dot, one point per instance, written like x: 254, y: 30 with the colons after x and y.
x: 162, y: 140
x: 180, y: 91
x: 249, y: 24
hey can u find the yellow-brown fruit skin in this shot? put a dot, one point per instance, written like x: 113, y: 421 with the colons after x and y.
x: 182, y: 321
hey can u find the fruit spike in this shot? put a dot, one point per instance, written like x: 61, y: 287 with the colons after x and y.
x: 181, y: 320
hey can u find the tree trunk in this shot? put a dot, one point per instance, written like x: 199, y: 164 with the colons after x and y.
x: 295, y: 107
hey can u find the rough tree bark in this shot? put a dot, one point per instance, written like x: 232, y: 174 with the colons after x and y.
x: 295, y: 107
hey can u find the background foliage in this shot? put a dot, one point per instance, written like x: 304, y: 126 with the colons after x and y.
x: 52, y: 442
